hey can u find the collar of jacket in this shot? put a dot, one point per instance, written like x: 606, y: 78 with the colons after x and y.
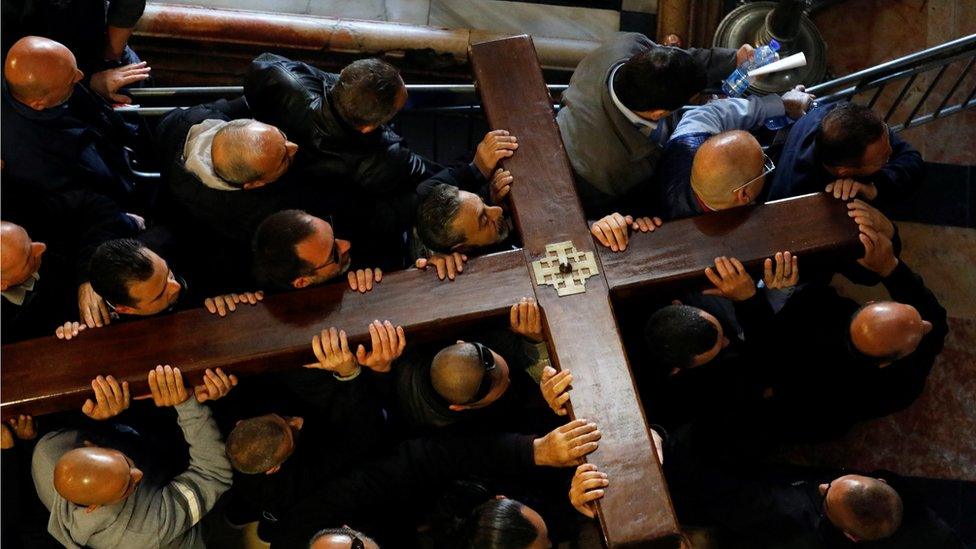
x: 638, y: 145
x: 50, y: 113
x: 197, y: 158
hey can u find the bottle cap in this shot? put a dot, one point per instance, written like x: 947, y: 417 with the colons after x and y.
x: 774, y: 45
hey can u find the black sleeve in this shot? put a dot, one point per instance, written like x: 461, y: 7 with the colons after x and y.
x: 901, y: 175
x: 401, y: 481
x: 124, y: 14
x: 718, y: 62
x: 755, y: 315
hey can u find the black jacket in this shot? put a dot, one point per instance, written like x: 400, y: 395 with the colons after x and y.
x: 826, y: 386
x: 52, y: 302
x: 297, y: 98
x: 214, y: 227
x: 404, y: 482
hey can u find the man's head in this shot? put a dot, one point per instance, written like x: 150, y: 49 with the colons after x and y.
x: 469, y: 375
x: 853, y: 141
x: 249, y: 154
x: 504, y: 523
x: 20, y: 257
x: 452, y: 220
x: 41, y: 73
x: 369, y: 93
x: 887, y: 331
x: 655, y: 82
x: 341, y: 538
x: 863, y: 508
x: 293, y: 249
x: 93, y: 476
x: 722, y: 167
x: 680, y: 337
x: 261, y: 444
x: 133, y: 278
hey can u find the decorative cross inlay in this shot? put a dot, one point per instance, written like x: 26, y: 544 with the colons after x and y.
x: 564, y: 268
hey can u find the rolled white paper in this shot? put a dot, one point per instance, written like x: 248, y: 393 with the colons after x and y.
x: 785, y: 64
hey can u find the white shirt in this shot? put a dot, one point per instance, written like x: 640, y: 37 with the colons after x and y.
x: 18, y: 293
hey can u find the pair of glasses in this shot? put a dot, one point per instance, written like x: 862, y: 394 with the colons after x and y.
x: 334, y: 258
x: 487, y: 360
x: 768, y: 167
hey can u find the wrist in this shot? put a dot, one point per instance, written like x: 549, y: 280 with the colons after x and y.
x: 888, y: 268
x: 539, y: 453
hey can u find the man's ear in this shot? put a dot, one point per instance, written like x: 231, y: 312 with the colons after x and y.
x: 742, y: 197
x: 273, y: 470
x: 297, y: 422
x: 254, y: 184
x: 457, y: 407
x: 302, y: 282
x: 926, y: 327
x: 674, y: 371
x: 822, y: 489
x: 366, y: 129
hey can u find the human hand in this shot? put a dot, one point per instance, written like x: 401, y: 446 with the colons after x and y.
x: 565, y: 445
x: 332, y: 350
x: 215, y: 385
x: 745, y: 53
x: 69, y: 330
x: 848, y: 188
x: 496, y: 145
x: 111, y: 398
x: 108, y: 82
x: 223, y: 304
x: 23, y: 427
x: 797, y: 102
x: 447, y: 265
x: 92, y: 309
x: 730, y: 279
x: 555, y: 389
x: 613, y: 231
x: 501, y: 184
x: 587, y: 487
x: 785, y: 275
x: 361, y: 280
x: 525, y: 319
x: 386, y: 345
x: 166, y: 386
x: 868, y: 216
x: 6, y: 438
x: 879, y: 255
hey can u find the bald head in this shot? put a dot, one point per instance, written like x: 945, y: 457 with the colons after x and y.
x: 95, y: 476
x: 249, y: 154
x: 887, y: 330
x: 723, y: 163
x: 20, y: 257
x: 41, y: 73
x: 864, y: 508
x: 456, y: 373
x: 340, y: 538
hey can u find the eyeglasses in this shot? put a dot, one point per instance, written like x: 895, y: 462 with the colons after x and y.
x: 335, y: 258
x: 487, y: 360
x: 768, y: 167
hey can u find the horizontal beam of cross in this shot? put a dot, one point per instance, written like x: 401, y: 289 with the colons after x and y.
x: 48, y: 375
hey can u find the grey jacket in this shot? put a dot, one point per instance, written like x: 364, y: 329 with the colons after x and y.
x: 610, y: 157
x: 158, y: 514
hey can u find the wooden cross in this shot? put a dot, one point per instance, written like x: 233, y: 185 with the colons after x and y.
x: 47, y: 375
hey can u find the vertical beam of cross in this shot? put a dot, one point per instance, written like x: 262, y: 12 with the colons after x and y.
x: 583, y: 334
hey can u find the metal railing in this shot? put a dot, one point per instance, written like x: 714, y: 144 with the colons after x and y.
x: 926, y: 69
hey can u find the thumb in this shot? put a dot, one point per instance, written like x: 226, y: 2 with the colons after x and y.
x: 88, y: 407
x: 361, y: 352
x: 119, y: 98
x: 421, y: 263
x: 200, y: 391
x: 629, y: 219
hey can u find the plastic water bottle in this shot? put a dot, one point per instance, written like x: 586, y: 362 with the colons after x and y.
x: 738, y: 82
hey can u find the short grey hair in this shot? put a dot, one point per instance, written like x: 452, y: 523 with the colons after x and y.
x: 240, y: 144
x: 366, y: 93
x: 435, y: 218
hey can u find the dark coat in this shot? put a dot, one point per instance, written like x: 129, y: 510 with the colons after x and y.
x: 828, y: 386
x: 79, y: 142
x: 52, y: 302
x: 799, y: 172
x: 213, y: 227
x: 403, y: 483
x: 297, y: 98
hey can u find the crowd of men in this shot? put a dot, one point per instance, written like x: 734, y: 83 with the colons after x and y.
x: 464, y: 442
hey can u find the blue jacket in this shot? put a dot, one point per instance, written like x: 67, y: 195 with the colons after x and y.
x: 799, y: 172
